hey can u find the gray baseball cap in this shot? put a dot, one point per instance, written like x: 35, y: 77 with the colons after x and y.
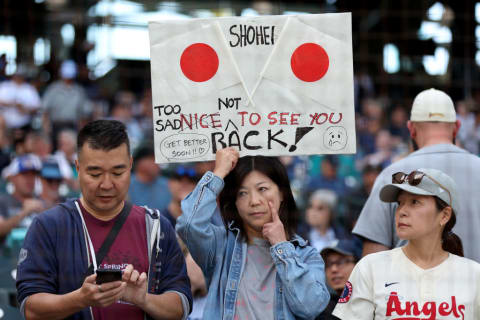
x: 346, y: 247
x: 433, y: 183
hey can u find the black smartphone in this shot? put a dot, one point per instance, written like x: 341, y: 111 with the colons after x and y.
x: 108, y: 275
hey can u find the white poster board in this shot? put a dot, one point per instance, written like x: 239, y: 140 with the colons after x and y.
x: 270, y: 85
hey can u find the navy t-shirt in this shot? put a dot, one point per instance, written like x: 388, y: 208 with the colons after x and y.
x: 129, y: 247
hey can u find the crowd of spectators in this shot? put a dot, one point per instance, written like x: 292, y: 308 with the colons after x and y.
x: 39, y: 123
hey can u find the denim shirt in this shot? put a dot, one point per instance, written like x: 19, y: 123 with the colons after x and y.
x: 300, y: 291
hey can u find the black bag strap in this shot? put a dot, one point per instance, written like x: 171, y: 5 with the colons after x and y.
x: 107, y: 243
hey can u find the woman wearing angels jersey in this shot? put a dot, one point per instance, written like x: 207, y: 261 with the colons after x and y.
x: 255, y: 266
x: 426, y: 279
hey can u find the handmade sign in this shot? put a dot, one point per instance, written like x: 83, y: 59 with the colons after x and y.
x: 271, y: 85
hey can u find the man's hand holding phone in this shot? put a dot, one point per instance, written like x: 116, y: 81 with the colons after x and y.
x: 105, y: 287
x: 100, y: 295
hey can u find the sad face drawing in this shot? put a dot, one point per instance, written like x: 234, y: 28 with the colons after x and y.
x: 335, y: 138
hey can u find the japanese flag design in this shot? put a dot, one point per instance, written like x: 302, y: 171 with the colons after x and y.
x: 313, y: 64
x: 192, y: 65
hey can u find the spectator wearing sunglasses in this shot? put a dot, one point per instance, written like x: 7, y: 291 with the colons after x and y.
x: 182, y: 179
x: 433, y: 127
x: 340, y: 259
x: 427, y: 278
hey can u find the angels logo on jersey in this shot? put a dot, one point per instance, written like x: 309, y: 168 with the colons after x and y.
x: 413, y: 311
x: 347, y: 293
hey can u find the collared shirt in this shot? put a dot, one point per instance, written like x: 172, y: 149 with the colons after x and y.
x: 320, y: 241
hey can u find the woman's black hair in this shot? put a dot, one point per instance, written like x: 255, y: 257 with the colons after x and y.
x: 450, y: 241
x: 273, y: 169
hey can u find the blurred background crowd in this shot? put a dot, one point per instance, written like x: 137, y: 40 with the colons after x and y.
x: 66, y: 62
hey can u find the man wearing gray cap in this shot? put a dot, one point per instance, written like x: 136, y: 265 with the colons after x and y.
x: 433, y: 128
x: 340, y: 259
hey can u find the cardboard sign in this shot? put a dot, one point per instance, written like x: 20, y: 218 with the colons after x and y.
x: 271, y: 85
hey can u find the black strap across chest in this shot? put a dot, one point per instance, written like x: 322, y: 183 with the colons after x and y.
x: 107, y: 243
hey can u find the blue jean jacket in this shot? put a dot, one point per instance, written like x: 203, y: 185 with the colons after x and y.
x: 300, y: 291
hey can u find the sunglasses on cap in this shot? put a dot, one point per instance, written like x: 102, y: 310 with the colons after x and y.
x: 414, y: 178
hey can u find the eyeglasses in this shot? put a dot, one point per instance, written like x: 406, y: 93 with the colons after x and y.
x: 319, y: 207
x: 414, y: 178
x: 53, y: 181
x: 340, y: 262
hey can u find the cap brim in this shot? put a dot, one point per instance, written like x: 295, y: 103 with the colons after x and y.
x: 325, y: 251
x: 52, y: 176
x: 389, y: 193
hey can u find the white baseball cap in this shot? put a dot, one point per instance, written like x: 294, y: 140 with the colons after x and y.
x: 433, y: 105
x: 433, y: 183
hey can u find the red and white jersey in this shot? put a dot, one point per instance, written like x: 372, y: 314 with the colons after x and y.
x: 387, y: 285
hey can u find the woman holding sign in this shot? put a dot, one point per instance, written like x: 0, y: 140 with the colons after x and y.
x: 427, y: 278
x: 255, y: 265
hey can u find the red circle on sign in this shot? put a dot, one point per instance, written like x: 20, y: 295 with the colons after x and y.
x: 309, y: 62
x: 199, y: 62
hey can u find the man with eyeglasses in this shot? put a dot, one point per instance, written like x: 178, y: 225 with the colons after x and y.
x: 433, y: 127
x: 339, y: 262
